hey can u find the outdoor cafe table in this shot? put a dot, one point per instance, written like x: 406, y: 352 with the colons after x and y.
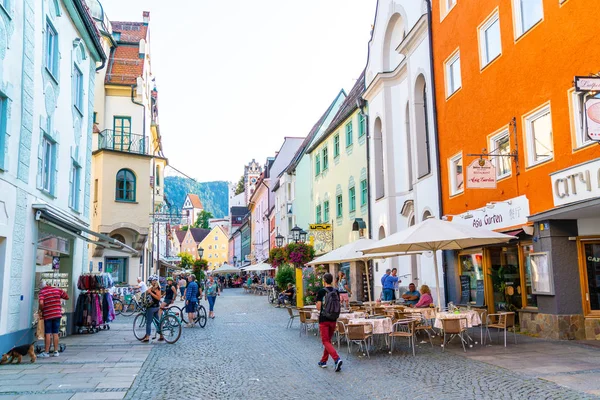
x: 472, y: 318
x: 428, y: 313
x: 380, y: 326
x: 350, y: 315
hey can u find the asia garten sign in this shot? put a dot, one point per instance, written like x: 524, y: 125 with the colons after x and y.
x: 481, y: 174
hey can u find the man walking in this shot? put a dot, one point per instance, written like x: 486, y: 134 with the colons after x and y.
x: 191, y: 299
x: 50, y: 307
x: 328, y: 303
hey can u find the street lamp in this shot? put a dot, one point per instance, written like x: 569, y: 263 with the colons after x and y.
x: 279, y: 239
x: 200, y: 252
x: 296, y: 233
x: 303, y: 236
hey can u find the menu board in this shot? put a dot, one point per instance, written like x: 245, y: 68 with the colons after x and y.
x: 465, y: 289
x: 541, y: 274
x: 480, y: 296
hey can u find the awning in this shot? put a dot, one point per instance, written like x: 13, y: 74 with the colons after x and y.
x: 59, y: 220
x: 580, y: 209
x: 513, y: 233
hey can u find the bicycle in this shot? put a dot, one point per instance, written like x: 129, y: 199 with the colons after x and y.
x: 200, y: 317
x: 168, y: 325
x: 127, y: 309
x: 273, y: 295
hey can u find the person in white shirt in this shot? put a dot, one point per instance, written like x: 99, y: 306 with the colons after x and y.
x: 141, y: 286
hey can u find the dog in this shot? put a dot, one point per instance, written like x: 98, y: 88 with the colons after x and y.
x: 18, y: 353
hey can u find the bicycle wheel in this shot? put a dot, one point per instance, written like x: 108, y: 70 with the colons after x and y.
x: 129, y: 309
x: 177, y: 312
x: 118, y: 306
x: 201, y: 317
x: 139, y: 326
x: 170, y: 327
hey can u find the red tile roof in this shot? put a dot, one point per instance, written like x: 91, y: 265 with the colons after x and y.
x: 131, y: 32
x: 125, y: 64
x: 195, y: 200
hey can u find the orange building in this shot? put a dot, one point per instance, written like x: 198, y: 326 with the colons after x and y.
x: 504, y: 73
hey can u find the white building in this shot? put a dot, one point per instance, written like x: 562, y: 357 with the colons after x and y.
x: 403, y: 170
x: 49, y: 52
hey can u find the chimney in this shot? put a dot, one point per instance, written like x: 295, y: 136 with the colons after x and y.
x: 146, y: 17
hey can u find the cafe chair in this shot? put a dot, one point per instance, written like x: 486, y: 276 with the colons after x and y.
x: 422, y: 325
x: 358, y: 333
x: 501, y: 321
x: 403, y: 329
x: 454, y: 327
x: 341, y: 331
x: 306, y: 321
x: 293, y: 316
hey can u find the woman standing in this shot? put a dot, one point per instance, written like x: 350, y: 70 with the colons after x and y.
x: 212, y: 291
x: 153, y: 305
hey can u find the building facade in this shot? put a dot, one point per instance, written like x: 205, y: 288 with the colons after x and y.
x: 403, y: 169
x: 49, y: 53
x: 534, y: 130
x: 192, y: 207
x: 259, y: 205
x: 216, y: 247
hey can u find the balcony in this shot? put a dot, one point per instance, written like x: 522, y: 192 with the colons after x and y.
x: 122, y: 141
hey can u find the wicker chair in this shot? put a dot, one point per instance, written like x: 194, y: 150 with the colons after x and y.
x: 454, y: 327
x: 357, y: 333
x: 403, y: 328
x: 293, y: 316
x: 306, y: 321
x: 341, y: 331
x: 501, y: 321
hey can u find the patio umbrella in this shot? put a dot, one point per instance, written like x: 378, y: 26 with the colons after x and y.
x: 353, y: 252
x: 259, y: 267
x: 433, y: 235
x: 226, y: 269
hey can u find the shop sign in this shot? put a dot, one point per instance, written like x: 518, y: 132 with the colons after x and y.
x: 497, y: 215
x: 481, y: 174
x: 578, y: 183
x: 320, y: 227
x: 587, y: 84
x: 592, y: 115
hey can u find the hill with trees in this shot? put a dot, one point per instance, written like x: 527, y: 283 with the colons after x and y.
x: 214, y: 195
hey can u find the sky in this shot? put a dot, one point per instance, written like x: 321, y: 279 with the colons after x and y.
x: 235, y: 77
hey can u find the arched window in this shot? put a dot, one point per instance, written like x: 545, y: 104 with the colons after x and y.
x: 378, y: 160
x: 421, y: 129
x: 409, y: 169
x: 125, y: 185
x: 393, y: 37
x: 118, y: 237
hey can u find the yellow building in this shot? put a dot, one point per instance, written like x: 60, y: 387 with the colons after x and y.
x: 340, y: 181
x: 216, y: 247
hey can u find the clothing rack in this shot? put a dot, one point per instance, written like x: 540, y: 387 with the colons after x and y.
x: 95, y: 309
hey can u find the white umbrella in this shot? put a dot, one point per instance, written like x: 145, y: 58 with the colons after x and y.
x: 226, y: 269
x: 433, y: 235
x: 259, y: 267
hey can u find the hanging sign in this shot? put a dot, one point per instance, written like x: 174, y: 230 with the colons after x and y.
x: 592, y: 115
x: 481, y: 174
x: 320, y: 227
x: 587, y: 83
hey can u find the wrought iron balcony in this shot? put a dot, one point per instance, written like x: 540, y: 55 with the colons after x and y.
x: 122, y: 141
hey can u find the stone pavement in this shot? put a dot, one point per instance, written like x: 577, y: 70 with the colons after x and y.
x: 246, y: 352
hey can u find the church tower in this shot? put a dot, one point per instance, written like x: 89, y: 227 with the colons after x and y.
x: 252, y: 173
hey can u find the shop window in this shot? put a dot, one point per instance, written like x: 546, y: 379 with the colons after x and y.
x: 527, y: 13
x: 117, y: 268
x: 490, y: 45
x: 453, y: 77
x: 325, y: 158
x: 455, y: 165
x: 125, y: 185
x: 500, y: 145
x: 578, y: 100
x: 506, y: 278
x: 591, y: 263
x: 336, y: 145
x: 530, y: 298
x: 471, y: 265
x: 538, y: 128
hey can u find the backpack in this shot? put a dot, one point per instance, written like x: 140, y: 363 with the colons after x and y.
x: 331, y: 305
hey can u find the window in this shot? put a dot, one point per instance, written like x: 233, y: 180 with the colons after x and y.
x: 527, y: 14
x: 500, y: 145
x: 490, y: 45
x: 157, y: 176
x: 216, y: 239
x: 51, y: 50
x: 362, y: 124
x: 326, y: 211
x: 339, y: 206
x: 336, y: 145
x: 3, y: 121
x: 95, y: 190
x: 578, y: 100
x: 453, y: 79
x: 210, y: 246
x: 456, y: 174
x: 471, y: 265
x: 48, y: 164
x: 74, y: 190
x: 317, y: 164
x: 78, y: 88
x: 352, y: 198
x: 121, y: 133
x: 446, y: 7
x: 325, y: 158
x: 318, y: 214
x: 349, y: 134
x: 125, y: 185
x: 364, y: 193
x: 538, y: 127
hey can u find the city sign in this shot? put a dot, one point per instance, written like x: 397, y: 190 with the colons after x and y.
x: 481, y: 174
x: 581, y: 182
x: 587, y: 83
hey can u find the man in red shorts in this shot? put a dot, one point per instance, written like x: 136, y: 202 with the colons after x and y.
x: 50, y: 307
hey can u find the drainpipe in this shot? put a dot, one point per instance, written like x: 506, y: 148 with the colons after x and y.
x: 436, y: 135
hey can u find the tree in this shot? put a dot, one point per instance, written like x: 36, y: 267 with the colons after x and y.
x: 186, y: 260
x: 185, y: 228
x: 202, y: 221
x: 240, y: 186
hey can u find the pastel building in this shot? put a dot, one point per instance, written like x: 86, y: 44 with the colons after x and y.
x: 216, y: 247
x: 403, y: 166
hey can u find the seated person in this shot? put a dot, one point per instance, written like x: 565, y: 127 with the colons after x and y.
x: 288, y: 295
x: 249, y: 281
x: 426, y: 299
x: 412, y: 296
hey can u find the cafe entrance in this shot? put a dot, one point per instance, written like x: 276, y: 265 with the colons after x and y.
x: 590, y: 276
